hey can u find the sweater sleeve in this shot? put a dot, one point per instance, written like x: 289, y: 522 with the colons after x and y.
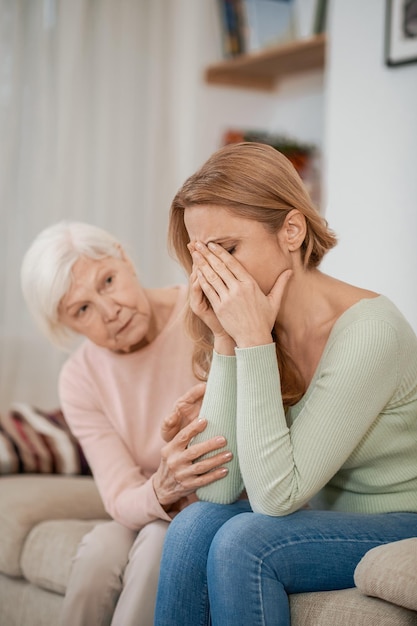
x: 284, y: 466
x: 219, y: 408
x: 128, y: 495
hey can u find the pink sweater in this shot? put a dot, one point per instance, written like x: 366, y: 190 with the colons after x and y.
x: 115, y: 403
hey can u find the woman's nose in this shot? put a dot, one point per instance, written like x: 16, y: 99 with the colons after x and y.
x: 110, y: 309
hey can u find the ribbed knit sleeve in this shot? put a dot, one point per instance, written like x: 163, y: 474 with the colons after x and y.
x: 285, y: 465
x: 219, y: 408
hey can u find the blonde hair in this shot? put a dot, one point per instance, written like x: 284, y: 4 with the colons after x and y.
x: 256, y: 182
x: 46, y: 271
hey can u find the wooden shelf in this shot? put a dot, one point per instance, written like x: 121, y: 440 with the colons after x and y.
x: 263, y: 69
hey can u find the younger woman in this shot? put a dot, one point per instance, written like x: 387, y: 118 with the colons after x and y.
x: 316, y: 381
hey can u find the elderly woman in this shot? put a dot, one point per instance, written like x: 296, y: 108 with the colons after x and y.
x: 117, y: 389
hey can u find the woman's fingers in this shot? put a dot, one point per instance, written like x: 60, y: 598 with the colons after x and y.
x: 183, y: 460
x: 197, y: 468
x: 201, y: 305
x: 191, y: 466
x: 219, y: 267
x: 222, y: 261
x: 210, y: 289
x: 218, y: 272
x: 212, y: 280
x: 186, y: 409
x: 198, y: 301
x: 196, y: 295
x: 171, y: 426
x: 193, y: 395
x: 277, y: 291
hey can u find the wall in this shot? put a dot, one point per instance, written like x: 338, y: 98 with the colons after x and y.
x: 370, y: 146
x: 362, y: 113
x: 294, y: 107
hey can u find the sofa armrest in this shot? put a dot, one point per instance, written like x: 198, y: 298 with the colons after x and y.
x: 26, y: 500
x: 389, y: 572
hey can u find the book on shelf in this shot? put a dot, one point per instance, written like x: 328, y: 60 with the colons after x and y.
x: 250, y: 25
x: 266, y: 22
x: 309, y: 17
x: 231, y: 28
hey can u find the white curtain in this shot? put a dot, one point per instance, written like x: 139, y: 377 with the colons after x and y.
x: 96, y: 124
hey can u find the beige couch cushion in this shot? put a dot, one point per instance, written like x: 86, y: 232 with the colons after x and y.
x: 49, y: 550
x: 22, y: 604
x: 347, y: 607
x: 25, y: 501
x: 390, y: 572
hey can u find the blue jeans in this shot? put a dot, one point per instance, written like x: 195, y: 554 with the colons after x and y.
x: 225, y: 565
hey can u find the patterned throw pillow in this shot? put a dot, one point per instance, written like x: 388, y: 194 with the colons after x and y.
x: 9, y: 459
x: 35, y: 441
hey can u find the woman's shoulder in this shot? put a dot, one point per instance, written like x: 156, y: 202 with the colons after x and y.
x: 167, y: 298
x: 374, y: 306
x: 76, y: 373
x: 168, y: 305
x: 84, y: 356
x: 376, y: 315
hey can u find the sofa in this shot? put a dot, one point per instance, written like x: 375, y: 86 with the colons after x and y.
x: 43, y: 518
x: 44, y: 515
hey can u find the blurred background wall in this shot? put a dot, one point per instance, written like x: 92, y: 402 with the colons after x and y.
x: 104, y: 112
x: 370, y: 149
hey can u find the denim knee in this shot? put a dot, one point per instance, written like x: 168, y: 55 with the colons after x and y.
x: 235, y: 543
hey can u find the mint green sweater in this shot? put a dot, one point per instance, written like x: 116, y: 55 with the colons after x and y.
x: 350, y: 444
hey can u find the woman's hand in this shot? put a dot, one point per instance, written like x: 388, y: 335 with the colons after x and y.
x: 245, y: 313
x: 180, y: 473
x: 223, y: 343
x: 200, y: 306
x: 186, y: 409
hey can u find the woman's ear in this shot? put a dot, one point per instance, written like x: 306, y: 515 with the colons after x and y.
x: 294, y: 230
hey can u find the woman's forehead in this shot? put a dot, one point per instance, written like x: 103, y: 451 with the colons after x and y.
x: 214, y: 223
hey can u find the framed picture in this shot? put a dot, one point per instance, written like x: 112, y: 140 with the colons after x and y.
x: 401, y: 32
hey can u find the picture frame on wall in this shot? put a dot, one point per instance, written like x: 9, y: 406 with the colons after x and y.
x: 400, y: 32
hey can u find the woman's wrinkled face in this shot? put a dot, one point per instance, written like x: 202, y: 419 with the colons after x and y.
x: 258, y: 250
x: 107, y: 304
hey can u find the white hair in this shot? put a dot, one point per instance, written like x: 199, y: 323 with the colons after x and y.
x: 47, y: 266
